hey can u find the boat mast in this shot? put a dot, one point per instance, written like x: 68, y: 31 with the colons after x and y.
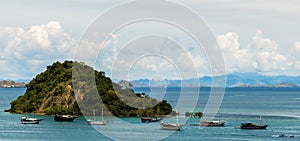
x: 177, y: 118
x: 102, y: 114
x: 260, y: 119
x: 94, y: 113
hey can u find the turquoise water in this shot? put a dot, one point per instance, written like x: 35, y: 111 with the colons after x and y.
x: 280, y: 109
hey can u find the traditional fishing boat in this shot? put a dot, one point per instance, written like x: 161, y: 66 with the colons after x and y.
x: 68, y: 118
x: 150, y: 119
x: 250, y: 125
x: 171, y: 126
x: 95, y: 122
x: 213, y: 123
x: 168, y: 126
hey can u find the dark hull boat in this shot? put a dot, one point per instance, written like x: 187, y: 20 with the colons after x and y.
x: 252, y: 126
x: 212, y: 123
x: 283, y: 136
x: 149, y: 119
x: 64, y: 118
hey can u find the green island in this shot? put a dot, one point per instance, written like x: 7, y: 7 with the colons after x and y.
x: 51, y: 92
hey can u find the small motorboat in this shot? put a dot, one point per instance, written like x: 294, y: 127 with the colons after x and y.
x: 283, y: 136
x: 27, y: 120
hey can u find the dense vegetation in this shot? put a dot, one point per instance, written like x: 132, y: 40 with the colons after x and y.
x: 51, y: 92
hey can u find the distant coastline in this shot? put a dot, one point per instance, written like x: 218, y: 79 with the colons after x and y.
x: 231, y: 80
x: 12, y: 84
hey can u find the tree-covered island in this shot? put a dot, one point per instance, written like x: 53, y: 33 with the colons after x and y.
x: 51, y: 92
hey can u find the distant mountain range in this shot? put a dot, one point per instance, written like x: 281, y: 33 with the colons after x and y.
x: 232, y: 80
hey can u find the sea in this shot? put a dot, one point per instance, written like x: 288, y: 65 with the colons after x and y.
x: 278, y: 107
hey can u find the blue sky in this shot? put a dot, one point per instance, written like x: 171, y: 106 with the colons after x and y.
x: 254, y: 36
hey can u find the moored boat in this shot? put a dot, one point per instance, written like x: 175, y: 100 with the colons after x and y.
x: 26, y: 120
x: 168, y: 126
x: 283, y: 136
x: 212, y: 123
x: 250, y: 125
x: 171, y: 126
x: 94, y: 122
x: 68, y: 118
x: 150, y: 119
x: 91, y: 122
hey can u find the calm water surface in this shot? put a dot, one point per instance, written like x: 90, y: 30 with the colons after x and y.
x: 280, y: 109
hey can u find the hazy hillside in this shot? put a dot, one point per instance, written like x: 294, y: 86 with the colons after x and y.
x: 232, y: 80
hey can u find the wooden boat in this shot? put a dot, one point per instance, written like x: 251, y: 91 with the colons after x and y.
x: 94, y: 122
x: 212, y: 123
x: 250, y: 125
x: 27, y: 120
x: 68, y: 118
x: 168, y: 126
x: 149, y: 119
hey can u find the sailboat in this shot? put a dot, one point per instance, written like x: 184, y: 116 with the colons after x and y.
x: 171, y: 126
x: 95, y: 122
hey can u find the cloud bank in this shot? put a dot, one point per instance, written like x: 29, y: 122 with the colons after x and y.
x: 25, y: 53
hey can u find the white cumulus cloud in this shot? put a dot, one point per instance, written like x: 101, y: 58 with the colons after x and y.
x: 27, y: 52
x: 261, y: 55
x: 297, y: 45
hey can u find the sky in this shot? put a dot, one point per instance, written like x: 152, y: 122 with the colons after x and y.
x: 253, y: 36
